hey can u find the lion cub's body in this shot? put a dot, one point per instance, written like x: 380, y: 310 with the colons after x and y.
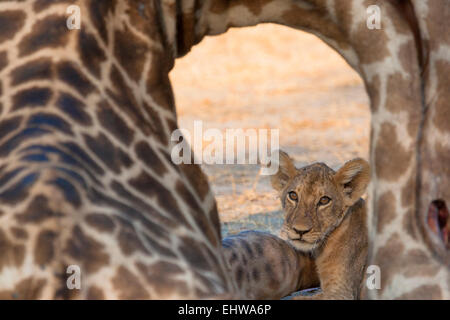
x: 341, y: 260
x: 267, y: 267
x: 325, y: 216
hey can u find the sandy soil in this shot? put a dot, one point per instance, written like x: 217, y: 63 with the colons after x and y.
x: 275, y: 78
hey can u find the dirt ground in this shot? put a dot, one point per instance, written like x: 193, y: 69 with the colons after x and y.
x: 271, y: 77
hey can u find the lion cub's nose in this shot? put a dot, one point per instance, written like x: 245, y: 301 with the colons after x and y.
x: 301, y: 230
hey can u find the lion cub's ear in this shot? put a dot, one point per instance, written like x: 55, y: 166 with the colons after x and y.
x: 286, y: 170
x: 353, y: 177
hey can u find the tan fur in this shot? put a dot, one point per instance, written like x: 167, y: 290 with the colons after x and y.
x: 334, y: 233
x: 267, y: 267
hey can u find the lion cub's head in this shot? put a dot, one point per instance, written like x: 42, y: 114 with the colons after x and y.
x: 315, y: 198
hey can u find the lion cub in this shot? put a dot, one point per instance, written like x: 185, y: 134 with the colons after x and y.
x: 326, y: 217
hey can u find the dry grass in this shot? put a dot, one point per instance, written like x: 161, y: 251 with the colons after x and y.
x: 271, y: 77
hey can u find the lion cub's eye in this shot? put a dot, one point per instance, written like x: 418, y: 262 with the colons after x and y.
x: 324, y: 200
x: 293, y: 196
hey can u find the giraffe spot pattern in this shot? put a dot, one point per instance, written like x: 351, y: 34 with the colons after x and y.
x: 128, y: 285
x: 113, y: 157
x: 13, y: 254
x: 11, y: 22
x: 45, y: 247
x: 49, y: 32
x: 70, y: 74
x: 34, y: 97
x: 114, y: 123
x: 37, y: 211
x: 386, y: 204
x: 74, y: 108
x: 91, y: 54
x: 101, y: 222
x: 424, y: 292
x: 86, y: 250
x: 39, y: 69
x: 391, y: 158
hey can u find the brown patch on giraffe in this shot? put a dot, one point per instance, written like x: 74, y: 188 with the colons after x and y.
x: 150, y: 187
x: 31, y: 97
x: 143, y: 16
x: 44, y: 249
x: 441, y: 118
x: 158, y: 224
x: 19, y: 233
x: 3, y: 60
x: 386, y: 210
x: 113, y: 157
x: 400, y: 13
x: 373, y: 89
x: 375, y: 39
x: 198, y: 213
x: 387, y: 258
x: 101, y: 222
x: 194, y: 252
x: 11, y: 254
x: 9, y: 125
x: 34, y: 70
x: 114, y: 123
x: 343, y: 11
x: 124, y: 97
x: 128, y: 286
x: 27, y: 289
x: 196, y: 178
x: 156, y: 124
x: 316, y: 19
x: 403, y: 95
x: 437, y: 24
x: 421, y: 260
x: 254, y: 6
x: 91, y: 54
x: 95, y: 293
x: 129, y: 242
x: 38, y: 211
x: 86, y: 251
x: 11, y: 21
x: 409, y: 224
x: 74, y: 108
x: 160, y: 249
x: 150, y: 158
x: 69, y: 72
x: 214, y: 218
x: 50, y: 32
x: 99, y: 11
x: 424, y: 292
x: 167, y: 284
x: 131, y: 52
x: 158, y: 83
x: 391, y: 158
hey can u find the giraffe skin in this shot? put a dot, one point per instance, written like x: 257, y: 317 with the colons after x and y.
x: 85, y: 120
x: 85, y: 172
x: 404, y: 68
